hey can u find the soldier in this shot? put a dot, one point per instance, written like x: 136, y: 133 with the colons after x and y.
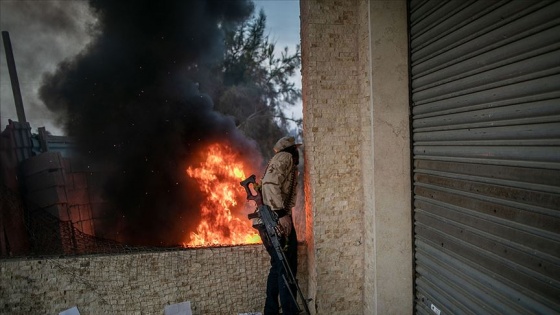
x: 279, y: 193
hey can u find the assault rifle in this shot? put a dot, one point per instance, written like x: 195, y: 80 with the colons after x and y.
x: 270, y: 221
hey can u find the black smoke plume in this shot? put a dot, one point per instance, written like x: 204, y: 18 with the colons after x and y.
x: 135, y: 100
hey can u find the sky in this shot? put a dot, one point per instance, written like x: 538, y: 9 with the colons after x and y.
x: 43, y: 33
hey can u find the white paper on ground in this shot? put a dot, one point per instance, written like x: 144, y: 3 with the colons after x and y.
x: 183, y: 308
x: 70, y: 311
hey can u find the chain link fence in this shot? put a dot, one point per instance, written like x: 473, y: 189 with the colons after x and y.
x: 33, y: 232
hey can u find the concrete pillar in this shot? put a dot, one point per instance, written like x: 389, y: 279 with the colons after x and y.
x: 389, y: 257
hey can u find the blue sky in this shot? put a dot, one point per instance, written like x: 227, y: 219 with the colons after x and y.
x: 35, y: 55
x: 283, y: 23
x: 282, y: 20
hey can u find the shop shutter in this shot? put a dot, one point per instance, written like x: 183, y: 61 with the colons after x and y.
x: 485, y: 91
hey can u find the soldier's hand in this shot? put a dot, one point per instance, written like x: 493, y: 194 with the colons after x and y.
x: 285, y: 224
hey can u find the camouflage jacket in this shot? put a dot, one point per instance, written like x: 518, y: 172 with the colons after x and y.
x: 279, y: 182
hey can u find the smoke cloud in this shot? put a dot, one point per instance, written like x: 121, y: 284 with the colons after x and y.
x: 43, y: 33
x: 139, y: 100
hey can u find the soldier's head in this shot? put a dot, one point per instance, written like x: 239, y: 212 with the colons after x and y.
x: 288, y: 144
x: 284, y: 143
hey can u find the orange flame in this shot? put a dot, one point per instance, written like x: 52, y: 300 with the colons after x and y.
x: 218, y: 176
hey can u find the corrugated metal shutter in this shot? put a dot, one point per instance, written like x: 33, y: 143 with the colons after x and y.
x: 486, y: 137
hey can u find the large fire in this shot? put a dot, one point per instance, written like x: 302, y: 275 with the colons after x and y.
x: 223, y: 212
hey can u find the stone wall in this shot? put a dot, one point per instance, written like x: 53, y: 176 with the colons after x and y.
x: 224, y: 280
x: 357, y: 155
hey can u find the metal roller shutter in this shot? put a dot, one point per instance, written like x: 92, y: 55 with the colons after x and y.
x: 486, y: 143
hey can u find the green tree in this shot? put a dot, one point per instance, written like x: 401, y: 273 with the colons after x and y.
x: 256, y: 83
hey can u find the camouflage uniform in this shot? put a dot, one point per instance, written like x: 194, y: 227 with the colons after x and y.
x: 279, y: 193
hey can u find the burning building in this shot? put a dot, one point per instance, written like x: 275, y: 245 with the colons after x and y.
x: 67, y: 210
x: 146, y: 151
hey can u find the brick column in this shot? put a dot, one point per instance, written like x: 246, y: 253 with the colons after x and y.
x: 332, y: 108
